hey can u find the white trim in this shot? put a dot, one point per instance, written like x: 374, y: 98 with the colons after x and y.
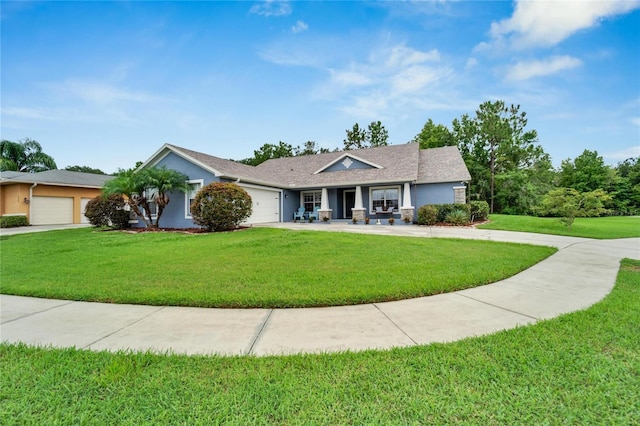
x: 342, y: 157
x: 373, y: 188
x: 160, y: 154
x: 187, y: 206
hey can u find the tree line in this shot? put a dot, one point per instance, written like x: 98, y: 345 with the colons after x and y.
x: 509, y: 168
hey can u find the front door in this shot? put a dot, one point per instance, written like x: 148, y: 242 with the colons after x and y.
x: 349, y: 203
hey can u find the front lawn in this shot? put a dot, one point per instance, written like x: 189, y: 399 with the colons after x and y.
x: 587, y: 227
x: 259, y: 267
x: 581, y: 368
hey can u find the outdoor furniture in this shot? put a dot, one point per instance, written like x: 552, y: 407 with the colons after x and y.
x: 299, y: 214
x: 314, y: 214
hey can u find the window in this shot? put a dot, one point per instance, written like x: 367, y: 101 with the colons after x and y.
x: 150, y: 194
x: 385, y: 198
x: 193, y: 186
x: 311, y: 200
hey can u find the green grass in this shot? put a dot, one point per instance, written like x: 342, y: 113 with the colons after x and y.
x: 254, y: 268
x: 592, y: 227
x: 581, y: 368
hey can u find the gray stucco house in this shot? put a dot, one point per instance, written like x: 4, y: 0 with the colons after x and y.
x: 336, y: 185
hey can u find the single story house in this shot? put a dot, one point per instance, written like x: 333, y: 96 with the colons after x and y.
x: 336, y: 185
x: 52, y: 197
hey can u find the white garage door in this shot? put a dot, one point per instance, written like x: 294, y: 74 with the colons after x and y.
x: 51, y: 210
x: 266, y: 205
x: 83, y: 206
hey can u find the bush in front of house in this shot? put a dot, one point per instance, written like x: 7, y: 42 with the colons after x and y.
x: 430, y: 214
x: 479, y: 210
x: 457, y: 217
x: 13, y: 221
x: 427, y: 215
x: 221, y: 206
x: 107, y: 211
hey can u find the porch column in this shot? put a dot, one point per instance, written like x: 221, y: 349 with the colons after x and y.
x: 325, y: 212
x: 358, y: 211
x: 407, y: 210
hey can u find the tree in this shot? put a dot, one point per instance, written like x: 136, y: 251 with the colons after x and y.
x: 25, y: 156
x: 309, y: 148
x: 85, y: 169
x: 147, y: 187
x: 221, y: 206
x: 626, y: 187
x: 356, y: 138
x: 568, y: 203
x: 500, y: 155
x: 269, y: 151
x: 377, y: 135
x: 434, y: 136
x: 586, y: 173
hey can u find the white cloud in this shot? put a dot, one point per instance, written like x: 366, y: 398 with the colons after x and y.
x: 635, y: 121
x: 271, y: 8
x: 299, y: 27
x: 545, y: 23
x: 525, y: 70
x: 622, y: 155
x: 98, y: 93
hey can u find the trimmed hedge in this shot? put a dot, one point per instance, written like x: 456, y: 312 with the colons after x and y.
x: 479, y: 210
x: 427, y: 215
x: 221, y: 206
x: 13, y: 221
x: 107, y: 211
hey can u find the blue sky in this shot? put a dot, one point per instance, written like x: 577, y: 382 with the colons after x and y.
x: 106, y: 84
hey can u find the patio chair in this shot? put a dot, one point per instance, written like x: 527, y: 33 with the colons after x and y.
x: 299, y: 214
x: 390, y: 210
x: 314, y: 214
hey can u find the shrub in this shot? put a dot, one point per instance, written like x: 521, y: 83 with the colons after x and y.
x: 457, y: 217
x: 427, y: 215
x: 221, y: 206
x: 13, y: 221
x: 479, y: 210
x: 107, y: 211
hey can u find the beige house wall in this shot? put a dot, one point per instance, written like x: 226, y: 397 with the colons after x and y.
x: 12, y: 197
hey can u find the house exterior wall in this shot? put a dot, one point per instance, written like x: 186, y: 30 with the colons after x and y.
x: 174, y: 214
x: 12, y: 199
x: 435, y: 193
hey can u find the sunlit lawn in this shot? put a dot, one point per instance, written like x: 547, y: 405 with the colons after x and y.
x: 592, y: 227
x: 581, y: 368
x: 259, y: 267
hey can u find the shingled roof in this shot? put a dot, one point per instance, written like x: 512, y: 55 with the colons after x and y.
x: 393, y: 163
x: 57, y: 177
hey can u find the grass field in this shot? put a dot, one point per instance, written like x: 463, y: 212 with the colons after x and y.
x: 591, y: 227
x: 581, y: 368
x: 258, y: 267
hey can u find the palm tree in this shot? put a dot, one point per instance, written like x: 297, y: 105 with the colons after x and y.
x: 160, y: 182
x: 25, y: 156
x: 152, y: 184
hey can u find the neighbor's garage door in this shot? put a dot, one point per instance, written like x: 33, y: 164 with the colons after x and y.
x: 83, y: 206
x: 51, y: 210
x: 266, y: 205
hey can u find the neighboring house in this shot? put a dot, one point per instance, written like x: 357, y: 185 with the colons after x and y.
x: 340, y: 185
x: 52, y: 197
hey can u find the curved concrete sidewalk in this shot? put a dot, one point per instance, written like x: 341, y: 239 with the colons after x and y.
x: 580, y: 274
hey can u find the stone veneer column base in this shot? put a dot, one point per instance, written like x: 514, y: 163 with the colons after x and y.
x: 407, y: 212
x: 358, y: 214
x: 322, y: 214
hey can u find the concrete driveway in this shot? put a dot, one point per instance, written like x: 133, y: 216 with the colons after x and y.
x: 580, y: 274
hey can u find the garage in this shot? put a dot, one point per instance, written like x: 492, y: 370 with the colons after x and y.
x: 83, y: 207
x: 51, y: 210
x: 266, y: 204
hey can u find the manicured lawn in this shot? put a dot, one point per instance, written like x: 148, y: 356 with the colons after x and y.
x: 258, y: 267
x: 591, y: 227
x: 581, y: 368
